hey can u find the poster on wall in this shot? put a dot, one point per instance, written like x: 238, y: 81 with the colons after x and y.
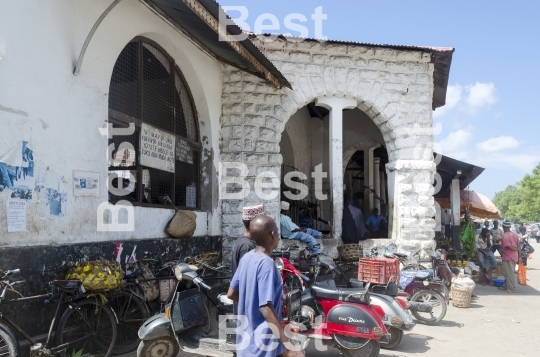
x: 16, y: 215
x: 157, y: 148
x: 17, y: 171
x: 53, y: 194
x: 85, y: 183
x: 184, y: 151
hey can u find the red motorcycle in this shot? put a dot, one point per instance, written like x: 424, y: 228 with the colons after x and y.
x: 342, y: 317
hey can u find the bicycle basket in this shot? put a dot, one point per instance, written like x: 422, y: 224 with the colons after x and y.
x: 96, y: 275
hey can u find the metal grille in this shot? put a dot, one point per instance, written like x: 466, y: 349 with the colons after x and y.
x: 145, y: 89
x: 124, y: 89
x: 123, y: 163
x: 160, y: 185
x: 157, y: 100
x: 185, y: 115
x: 186, y: 184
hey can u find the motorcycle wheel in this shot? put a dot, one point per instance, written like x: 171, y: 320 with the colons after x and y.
x: 159, y: 347
x: 395, y: 340
x: 371, y: 349
x: 437, y: 302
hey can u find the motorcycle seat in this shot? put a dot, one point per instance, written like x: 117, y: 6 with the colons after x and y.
x: 358, y: 295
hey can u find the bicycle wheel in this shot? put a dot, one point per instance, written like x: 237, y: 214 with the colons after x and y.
x: 87, y: 326
x: 131, y: 312
x: 9, y: 347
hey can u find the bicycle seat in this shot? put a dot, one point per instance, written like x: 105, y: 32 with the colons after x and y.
x: 134, y: 275
x: 358, y: 295
x: 68, y: 286
x: 400, y: 255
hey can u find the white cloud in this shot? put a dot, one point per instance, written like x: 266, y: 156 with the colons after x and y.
x: 453, y: 97
x: 478, y: 95
x: 500, y: 143
x: 524, y: 163
x: 481, y: 95
x: 456, y: 141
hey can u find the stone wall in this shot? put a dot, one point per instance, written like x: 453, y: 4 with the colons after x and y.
x: 393, y: 87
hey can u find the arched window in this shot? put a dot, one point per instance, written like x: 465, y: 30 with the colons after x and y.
x: 161, y: 159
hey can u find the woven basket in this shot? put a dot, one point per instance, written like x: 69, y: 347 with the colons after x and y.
x: 461, y: 298
x: 350, y: 252
x: 182, y: 225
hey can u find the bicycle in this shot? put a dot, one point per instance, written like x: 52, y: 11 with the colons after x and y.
x: 87, y: 325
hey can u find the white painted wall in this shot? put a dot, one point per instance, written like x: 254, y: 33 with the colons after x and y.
x: 59, y: 114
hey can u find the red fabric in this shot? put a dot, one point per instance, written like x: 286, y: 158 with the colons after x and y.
x: 509, y: 239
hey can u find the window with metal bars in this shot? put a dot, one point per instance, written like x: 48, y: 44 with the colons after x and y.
x: 148, y: 88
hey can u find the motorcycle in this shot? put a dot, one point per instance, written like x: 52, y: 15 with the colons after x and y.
x: 428, y: 292
x: 342, y: 317
x: 160, y: 334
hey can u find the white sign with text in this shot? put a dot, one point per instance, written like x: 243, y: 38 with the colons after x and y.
x: 157, y: 148
x: 16, y: 215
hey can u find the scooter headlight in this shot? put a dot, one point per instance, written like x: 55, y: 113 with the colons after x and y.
x: 178, y: 272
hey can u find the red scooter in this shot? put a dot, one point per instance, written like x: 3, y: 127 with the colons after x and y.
x: 342, y: 317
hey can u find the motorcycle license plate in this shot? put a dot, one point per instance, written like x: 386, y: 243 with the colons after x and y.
x: 362, y: 330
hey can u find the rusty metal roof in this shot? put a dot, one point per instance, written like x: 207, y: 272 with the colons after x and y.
x: 199, y: 21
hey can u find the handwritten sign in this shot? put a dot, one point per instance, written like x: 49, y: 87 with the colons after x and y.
x: 184, y: 151
x: 157, y: 148
x: 16, y: 215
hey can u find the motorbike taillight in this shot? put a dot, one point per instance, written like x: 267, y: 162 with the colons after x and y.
x: 379, y: 310
x: 403, y: 302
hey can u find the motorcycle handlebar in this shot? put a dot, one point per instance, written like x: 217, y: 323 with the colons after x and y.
x: 201, y: 283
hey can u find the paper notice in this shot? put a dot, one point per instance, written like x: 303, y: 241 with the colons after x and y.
x: 16, y: 215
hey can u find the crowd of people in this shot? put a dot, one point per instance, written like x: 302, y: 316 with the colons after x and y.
x: 510, y: 241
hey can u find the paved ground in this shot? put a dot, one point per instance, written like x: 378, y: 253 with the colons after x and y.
x: 497, y: 324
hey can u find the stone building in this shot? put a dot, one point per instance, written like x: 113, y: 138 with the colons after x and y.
x: 375, y: 106
x: 85, y: 85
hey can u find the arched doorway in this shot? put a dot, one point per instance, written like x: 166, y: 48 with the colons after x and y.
x: 305, y: 145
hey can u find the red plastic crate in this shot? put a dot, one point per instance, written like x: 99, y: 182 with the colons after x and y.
x: 378, y: 270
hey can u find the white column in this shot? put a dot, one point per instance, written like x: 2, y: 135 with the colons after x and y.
x: 383, y: 191
x: 336, y: 106
x: 455, y: 201
x: 368, y: 163
x: 377, y: 182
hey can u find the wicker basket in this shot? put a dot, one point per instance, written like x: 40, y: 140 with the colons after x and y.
x: 209, y: 258
x: 350, y: 252
x: 461, y: 298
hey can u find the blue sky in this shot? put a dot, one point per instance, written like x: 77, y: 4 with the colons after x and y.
x: 494, y: 89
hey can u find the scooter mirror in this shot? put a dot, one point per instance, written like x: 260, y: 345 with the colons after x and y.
x: 390, y: 248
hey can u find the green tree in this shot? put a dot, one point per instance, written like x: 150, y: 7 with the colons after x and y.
x: 521, y: 201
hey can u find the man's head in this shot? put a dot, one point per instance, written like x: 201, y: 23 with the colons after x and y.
x: 250, y: 213
x: 285, y: 207
x: 486, y: 223
x: 484, y: 233
x: 496, y: 224
x: 376, y: 211
x: 309, y: 211
x: 265, y: 233
x: 506, y: 226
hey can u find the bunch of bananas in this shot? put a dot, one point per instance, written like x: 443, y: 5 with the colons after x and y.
x: 96, y: 275
x: 444, y: 241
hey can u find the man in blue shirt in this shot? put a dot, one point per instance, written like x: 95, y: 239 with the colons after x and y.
x: 257, y: 288
x: 289, y: 230
x: 373, y: 223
